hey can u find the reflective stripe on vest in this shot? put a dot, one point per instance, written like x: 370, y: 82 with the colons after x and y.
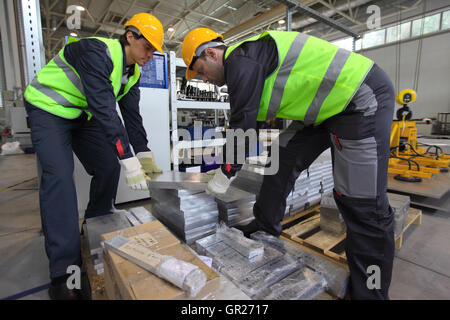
x: 313, y: 81
x: 58, y: 89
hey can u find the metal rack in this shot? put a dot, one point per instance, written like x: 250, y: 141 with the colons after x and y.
x: 176, y: 105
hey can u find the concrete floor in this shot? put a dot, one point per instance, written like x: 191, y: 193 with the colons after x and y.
x: 421, y: 266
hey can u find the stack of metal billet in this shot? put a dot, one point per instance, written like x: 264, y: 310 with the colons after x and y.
x: 331, y: 220
x: 249, y: 178
x: 400, y: 205
x: 336, y: 277
x: 189, y: 214
x: 311, y: 185
x: 259, y: 277
x: 93, y: 230
x: 235, y: 207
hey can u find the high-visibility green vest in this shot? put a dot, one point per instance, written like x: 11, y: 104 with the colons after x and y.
x: 314, y: 79
x: 57, y: 87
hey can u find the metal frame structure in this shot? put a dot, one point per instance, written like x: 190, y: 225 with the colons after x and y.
x: 235, y: 19
x: 318, y: 16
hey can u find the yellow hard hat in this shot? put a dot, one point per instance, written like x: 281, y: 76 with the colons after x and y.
x: 150, y: 27
x: 191, y: 42
x: 406, y: 96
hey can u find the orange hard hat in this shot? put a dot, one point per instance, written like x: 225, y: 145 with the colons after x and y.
x: 150, y: 27
x: 191, y: 42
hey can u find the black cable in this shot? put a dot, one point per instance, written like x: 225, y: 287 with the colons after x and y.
x: 408, y: 160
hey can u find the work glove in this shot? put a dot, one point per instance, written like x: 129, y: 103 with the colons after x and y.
x: 148, y: 163
x: 134, y: 174
x: 219, y: 183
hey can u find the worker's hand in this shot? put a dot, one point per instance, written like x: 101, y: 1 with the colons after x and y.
x: 134, y: 174
x: 219, y: 183
x: 148, y: 163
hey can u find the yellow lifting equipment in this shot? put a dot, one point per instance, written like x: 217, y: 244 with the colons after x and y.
x: 408, y: 159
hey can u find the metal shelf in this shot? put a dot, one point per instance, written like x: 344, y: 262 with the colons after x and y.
x: 182, y: 104
x: 186, y: 104
x: 200, y: 143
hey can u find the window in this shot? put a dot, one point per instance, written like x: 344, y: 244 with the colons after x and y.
x: 346, y: 43
x: 358, y: 44
x: 445, y: 20
x: 374, y: 38
x: 426, y: 25
x: 417, y: 27
x: 405, y: 30
x: 392, y: 33
x: 431, y: 23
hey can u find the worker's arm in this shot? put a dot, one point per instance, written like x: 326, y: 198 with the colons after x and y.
x: 245, y: 80
x: 91, y: 60
x: 129, y: 107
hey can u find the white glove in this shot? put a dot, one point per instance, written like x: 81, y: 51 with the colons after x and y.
x: 148, y: 163
x: 219, y: 183
x: 134, y: 174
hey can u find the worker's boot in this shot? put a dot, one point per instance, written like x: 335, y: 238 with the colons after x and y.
x: 249, y: 228
x: 59, y: 291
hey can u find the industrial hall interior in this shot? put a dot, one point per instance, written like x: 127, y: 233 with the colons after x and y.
x: 245, y: 151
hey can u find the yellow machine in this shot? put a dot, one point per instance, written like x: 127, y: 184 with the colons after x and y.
x: 408, y: 160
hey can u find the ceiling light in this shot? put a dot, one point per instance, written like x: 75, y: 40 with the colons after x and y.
x: 281, y: 21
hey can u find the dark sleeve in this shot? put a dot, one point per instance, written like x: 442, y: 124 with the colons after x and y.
x: 91, y: 60
x: 129, y: 107
x: 245, y: 80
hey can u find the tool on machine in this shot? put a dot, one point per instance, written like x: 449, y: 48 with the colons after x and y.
x: 410, y: 162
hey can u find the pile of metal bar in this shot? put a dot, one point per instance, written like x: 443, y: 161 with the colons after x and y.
x: 400, y: 204
x: 331, y: 220
x: 311, y: 185
x: 336, y: 277
x: 249, y: 178
x: 189, y: 214
x: 260, y: 277
x: 235, y: 207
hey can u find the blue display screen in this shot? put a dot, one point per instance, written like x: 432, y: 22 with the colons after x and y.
x: 154, y: 73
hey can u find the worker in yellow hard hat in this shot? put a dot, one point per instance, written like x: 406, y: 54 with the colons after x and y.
x: 71, y: 105
x: 334, y: 98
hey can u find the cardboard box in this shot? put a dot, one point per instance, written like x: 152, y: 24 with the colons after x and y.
x: 126, y: 280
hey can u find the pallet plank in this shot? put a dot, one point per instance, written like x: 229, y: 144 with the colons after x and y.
x: 307, y: 233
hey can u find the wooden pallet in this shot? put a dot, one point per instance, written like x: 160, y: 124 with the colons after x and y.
x: 304, y: 229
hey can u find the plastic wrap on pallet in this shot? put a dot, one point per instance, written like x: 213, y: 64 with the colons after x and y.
x: 400, y: 205
x: 255, y: 282
x: 245, y: 246
x: 331, y: 220
x: 336, y: 277
x: 184, y: 275
x: 97, y: 226
x: 303, y: 284
x: 230, y: 262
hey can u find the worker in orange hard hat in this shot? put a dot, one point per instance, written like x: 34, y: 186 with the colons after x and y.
x: 71, y: 105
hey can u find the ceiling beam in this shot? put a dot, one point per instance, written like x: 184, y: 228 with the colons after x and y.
x: 318, y: 16
x: 346, y: 16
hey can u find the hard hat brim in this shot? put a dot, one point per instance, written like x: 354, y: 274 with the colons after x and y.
x: 190, y: 74
x: 148, y: 38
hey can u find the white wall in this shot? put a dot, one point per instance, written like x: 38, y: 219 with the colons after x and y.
x: 433, y: 94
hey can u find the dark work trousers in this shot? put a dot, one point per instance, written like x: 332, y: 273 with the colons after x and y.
x: 360, y: 141
x: 54, y: 138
